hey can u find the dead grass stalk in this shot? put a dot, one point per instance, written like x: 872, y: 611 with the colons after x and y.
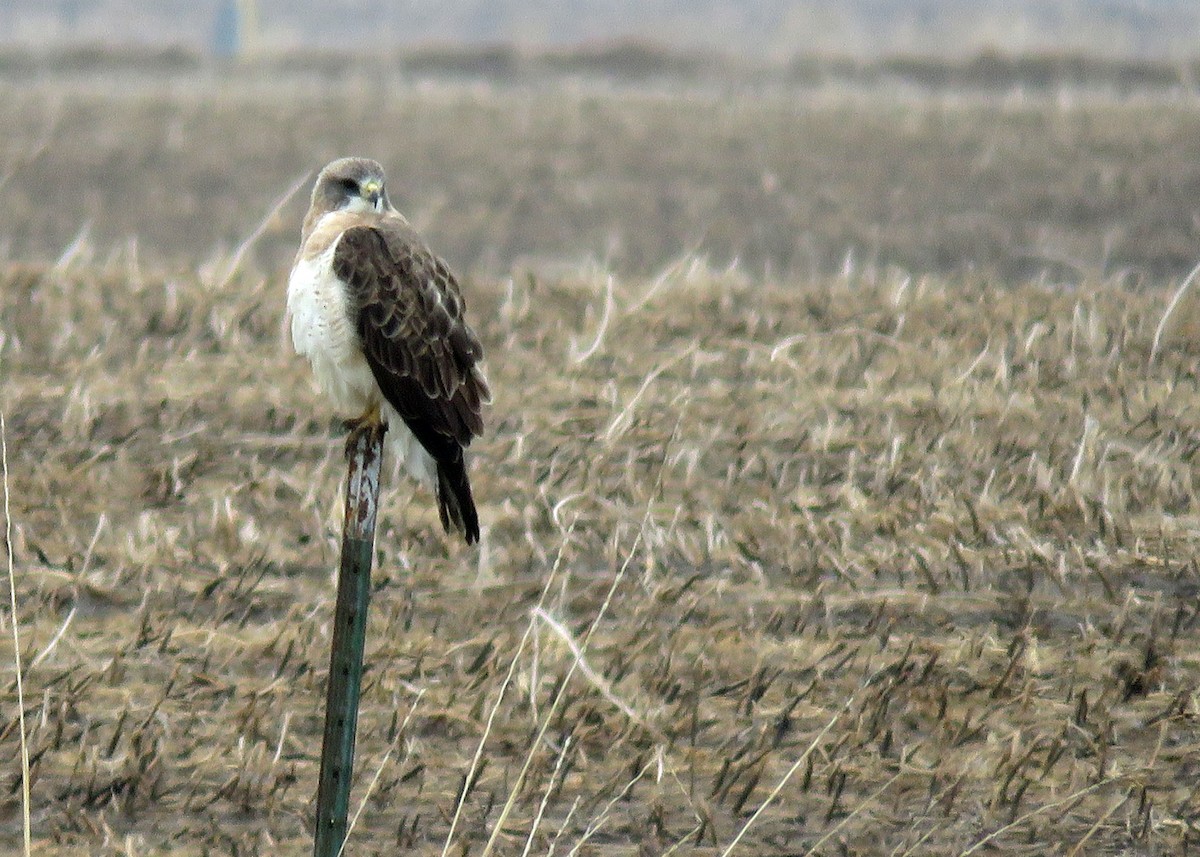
x: 14, y: 618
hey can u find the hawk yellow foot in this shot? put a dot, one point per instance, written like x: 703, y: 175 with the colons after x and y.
x: 369, y: 423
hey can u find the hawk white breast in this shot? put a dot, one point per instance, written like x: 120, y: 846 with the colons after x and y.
x: 381, y: 320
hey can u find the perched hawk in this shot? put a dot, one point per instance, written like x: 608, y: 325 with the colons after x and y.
x: 380, y: 318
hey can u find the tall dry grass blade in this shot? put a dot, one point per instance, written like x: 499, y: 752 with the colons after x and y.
x: 1091, y: 831
x: 91, y: 548
x: 598, y: 822
x: 566, y: 823
x: 1090, y: 426
x: 26, y: 823
x: 622, y: 420
x: 487, y: 731
x: 672, y: 268
x: 379, y: 771
x: 578, y: 356
x: 1170, y: 310
x: 541, y: 810
x: 54, y: 105
x: 512, y: 667
x: 49, y: 647
x: 235, y: 261
x: 1046, y: 807
x: 562, y: 691
x: 867, y: 801
x: 592, y: 676
x: 924, y: 837
x: 78, y: 247
x: 812, y: 745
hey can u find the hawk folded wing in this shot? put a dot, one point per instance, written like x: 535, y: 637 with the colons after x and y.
x: 409, y: 316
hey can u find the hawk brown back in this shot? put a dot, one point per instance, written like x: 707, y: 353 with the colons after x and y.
x: 408, y: 310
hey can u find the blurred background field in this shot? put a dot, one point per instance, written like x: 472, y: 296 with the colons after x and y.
x: 847, y: 405
x: 779, y: 177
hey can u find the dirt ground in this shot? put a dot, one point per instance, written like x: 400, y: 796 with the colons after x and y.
x: 870, y: 560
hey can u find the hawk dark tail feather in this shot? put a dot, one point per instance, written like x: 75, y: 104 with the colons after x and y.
x: 456, y: 506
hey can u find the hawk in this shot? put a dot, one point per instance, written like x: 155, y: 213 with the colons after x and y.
x: 381, y: 320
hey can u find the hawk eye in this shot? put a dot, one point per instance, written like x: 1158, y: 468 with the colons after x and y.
x: 350, y: 186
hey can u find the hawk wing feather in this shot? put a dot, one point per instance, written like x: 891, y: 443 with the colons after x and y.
x: 408, y: 312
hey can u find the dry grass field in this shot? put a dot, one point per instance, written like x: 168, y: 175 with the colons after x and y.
x: 893, y: 554
x: 787, y: 182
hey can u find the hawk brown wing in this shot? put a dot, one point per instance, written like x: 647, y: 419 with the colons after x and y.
x: 409, y: 314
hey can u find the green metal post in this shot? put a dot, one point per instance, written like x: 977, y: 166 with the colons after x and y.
x: 365, y: 451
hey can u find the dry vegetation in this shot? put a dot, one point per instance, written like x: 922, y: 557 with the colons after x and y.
x: 922, y: 546
x: 788, y: 181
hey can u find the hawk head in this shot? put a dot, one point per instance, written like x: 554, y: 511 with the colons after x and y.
x: 350, y: 184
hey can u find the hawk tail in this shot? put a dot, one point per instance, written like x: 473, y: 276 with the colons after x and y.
x: 456, y: 506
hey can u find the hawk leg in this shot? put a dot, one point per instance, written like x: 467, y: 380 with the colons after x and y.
x: 370, y: 422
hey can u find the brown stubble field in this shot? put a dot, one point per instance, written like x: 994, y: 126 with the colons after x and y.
x: 782, y: 181
x: 910, y: 538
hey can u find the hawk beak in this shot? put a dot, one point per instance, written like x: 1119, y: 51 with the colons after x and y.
x: 371, y: 192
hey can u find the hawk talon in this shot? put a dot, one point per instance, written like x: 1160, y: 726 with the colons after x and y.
x: 356, y: 428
